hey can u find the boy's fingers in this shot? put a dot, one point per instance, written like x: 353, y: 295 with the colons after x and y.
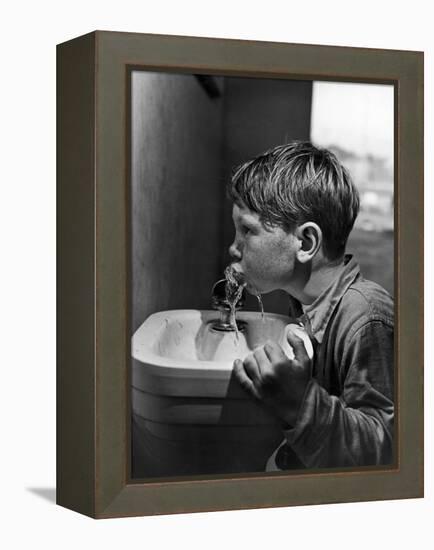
x: 252, y: 368
x: 297, y: 345
x: 274, y: 352
x: 244, y: 380
x: 262, y: 361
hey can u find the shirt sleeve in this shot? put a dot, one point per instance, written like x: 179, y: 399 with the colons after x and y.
x: 355, y: 428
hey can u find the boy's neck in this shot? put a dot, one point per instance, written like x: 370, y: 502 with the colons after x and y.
x: 315, y: 280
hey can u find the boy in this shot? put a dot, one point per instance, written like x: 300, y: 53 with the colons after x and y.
x: 294, y: 208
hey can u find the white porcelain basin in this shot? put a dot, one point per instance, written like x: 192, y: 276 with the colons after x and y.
x: 189, y: 413
x: 185, y: 356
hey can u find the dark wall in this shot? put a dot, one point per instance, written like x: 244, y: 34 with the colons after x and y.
x: 176, y: 193
x: 186, y: 141
x: 260, y: 114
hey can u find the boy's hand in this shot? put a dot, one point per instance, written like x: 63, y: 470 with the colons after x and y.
x: 270, y: 376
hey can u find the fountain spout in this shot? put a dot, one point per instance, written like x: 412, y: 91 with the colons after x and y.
x: 219, y: 301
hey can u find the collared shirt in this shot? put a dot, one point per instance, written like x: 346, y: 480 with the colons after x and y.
x: 346, y: 417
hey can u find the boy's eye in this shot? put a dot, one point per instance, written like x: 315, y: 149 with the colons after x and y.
x: 245, y: 229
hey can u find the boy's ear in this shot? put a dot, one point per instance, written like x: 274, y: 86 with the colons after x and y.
x: 310, y: 237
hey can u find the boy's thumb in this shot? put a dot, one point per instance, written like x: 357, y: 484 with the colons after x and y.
x: 297, y: 344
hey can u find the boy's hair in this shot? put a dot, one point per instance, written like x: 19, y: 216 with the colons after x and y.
x: 296, y: 183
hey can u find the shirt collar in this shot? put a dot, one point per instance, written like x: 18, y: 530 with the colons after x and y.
x: 316, y: 316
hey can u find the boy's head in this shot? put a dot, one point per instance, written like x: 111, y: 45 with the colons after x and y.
x: 297, y: 183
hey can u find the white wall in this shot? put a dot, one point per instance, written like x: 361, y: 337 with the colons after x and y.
x: 30, y: 31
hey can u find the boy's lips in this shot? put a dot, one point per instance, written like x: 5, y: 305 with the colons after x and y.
x: 243, y: 280
x: 238, y: 274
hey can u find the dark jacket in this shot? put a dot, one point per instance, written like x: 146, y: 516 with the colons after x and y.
x: 346, y: 418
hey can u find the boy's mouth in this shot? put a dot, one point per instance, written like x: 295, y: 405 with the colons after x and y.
x: 238, y: 275
x: 241, y: 279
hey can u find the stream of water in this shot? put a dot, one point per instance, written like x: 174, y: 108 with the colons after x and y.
x: 234, y: 290
x: 261, y: 307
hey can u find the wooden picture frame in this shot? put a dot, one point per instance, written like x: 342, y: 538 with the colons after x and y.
x: 93, y: 274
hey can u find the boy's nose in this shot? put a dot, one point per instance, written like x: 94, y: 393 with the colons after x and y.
x: 234, y: 251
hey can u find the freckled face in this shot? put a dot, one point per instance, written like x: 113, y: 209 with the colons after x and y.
x: 266, y: 256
